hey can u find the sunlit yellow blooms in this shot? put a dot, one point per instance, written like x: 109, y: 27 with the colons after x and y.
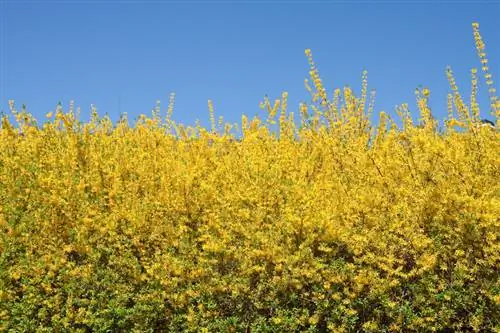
x: 484, y: 61
x: 212, y: 115
x: 336, y: 223
x: 473, y: 96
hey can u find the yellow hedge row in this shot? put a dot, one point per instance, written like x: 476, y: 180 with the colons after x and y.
x: 330, y: 226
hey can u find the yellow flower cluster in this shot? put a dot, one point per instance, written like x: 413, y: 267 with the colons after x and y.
x: 335, y: 225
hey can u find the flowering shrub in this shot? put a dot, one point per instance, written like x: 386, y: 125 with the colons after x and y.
x: 330, y: 225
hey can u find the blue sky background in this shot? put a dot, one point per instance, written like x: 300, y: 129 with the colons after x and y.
x: 122, y: 56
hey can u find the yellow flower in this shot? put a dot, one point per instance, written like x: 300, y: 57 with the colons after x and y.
x: 333, y: 210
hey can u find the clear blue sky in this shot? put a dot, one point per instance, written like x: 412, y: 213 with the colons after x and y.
x: 122, y: 56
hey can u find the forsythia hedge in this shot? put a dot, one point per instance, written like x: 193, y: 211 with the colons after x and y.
x: 333, y: 225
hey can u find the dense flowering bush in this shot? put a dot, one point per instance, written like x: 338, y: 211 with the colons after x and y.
x: 328, y: 225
